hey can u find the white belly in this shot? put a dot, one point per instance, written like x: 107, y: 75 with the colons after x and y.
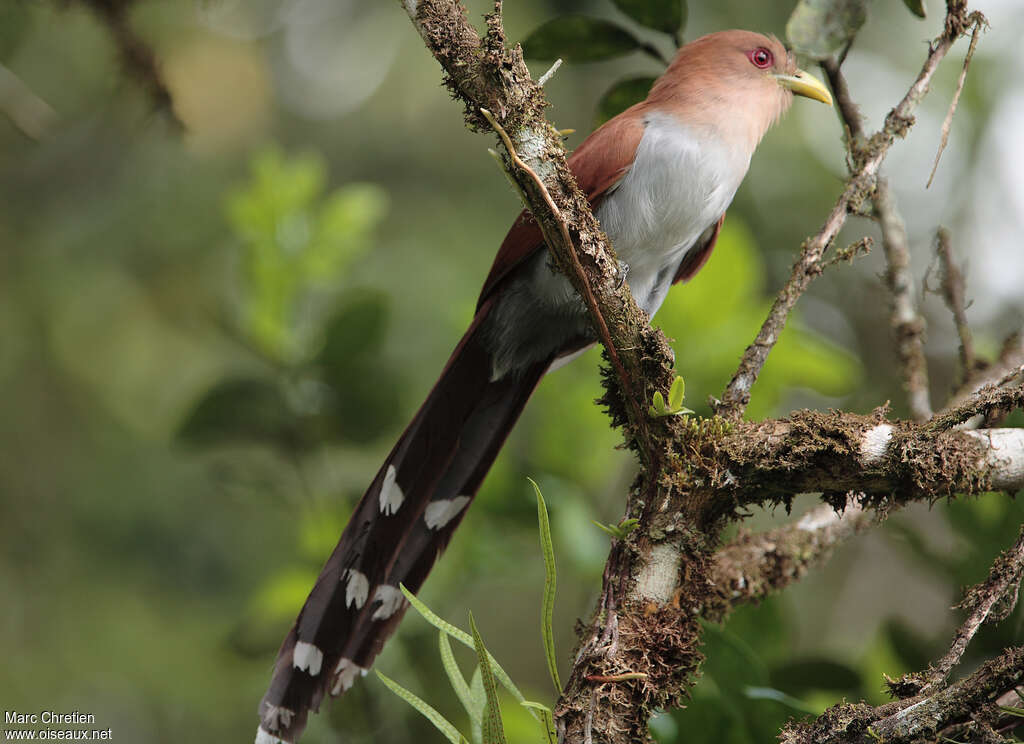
x: 679, y: 186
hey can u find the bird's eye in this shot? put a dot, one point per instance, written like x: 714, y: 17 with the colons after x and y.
x: 761, y: 58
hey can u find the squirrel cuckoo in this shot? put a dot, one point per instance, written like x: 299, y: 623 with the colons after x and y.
x: 659, y: 177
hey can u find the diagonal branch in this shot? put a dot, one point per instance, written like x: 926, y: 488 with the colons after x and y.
x: 920, y: 719
x: 1000, y: 588
x: 752, y: 567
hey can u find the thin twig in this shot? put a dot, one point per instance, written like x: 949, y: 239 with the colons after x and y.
x: 550, y: 73
x: 616, y: 677
x: 948, y: 121
x: 1001, y: 588
x: 952, y: 287
x: 848, y: 110
x: 137, y: 55
x: 907, y: 323
x: 588, y: 293
x: 858, y: 187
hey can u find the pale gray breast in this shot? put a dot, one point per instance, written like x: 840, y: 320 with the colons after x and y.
x: 679, y: 185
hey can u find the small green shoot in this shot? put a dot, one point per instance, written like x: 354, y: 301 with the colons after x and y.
x: 674, y: 407
x: 441, y: 723
x: 621, y: 530
x: 548, y: 604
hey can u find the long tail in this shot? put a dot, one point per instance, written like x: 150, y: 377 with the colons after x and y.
x: 399, y: 528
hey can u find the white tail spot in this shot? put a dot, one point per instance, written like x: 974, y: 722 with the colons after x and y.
x: 357, y: 588
x: 307, y: 656
x: 265, y: 737
x: 391, y: 601
x: 344, y: 675
x: 441, y: 512
x: 391, y: 496
x: 276, y: 717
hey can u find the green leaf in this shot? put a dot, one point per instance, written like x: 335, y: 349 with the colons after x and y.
x: 494, y: 731
x: 676, y: 393
x: 668, y: 16
x: 546, y: 715
x: 820, y: 28
x: 458, y: 682
x: 462, y: 637
x: 916, y: 7
x: 548, y: 604
x: 658, y: 404
x: 241, y: 409
x: 577, y: 38
x: 804, y: 675
x: 674, y: 407
x: 355, y: 330
x: 622, y: 95
x: 479, y: 700
x: 620, y: 530
x: 441, y: 723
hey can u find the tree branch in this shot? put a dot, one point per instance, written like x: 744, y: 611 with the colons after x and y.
x: 919, y: 719
x: 1000, y: 588
x: 755, y: 566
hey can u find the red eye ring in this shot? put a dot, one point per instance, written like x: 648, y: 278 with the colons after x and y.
x: 761, y: 58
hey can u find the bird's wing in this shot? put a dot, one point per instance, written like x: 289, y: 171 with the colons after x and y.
x: 596, y: 174
x: 699, y: 254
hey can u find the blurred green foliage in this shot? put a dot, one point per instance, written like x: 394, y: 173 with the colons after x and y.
x: 211, y: 343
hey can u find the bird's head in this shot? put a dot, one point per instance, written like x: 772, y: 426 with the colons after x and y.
x: 739, y: 82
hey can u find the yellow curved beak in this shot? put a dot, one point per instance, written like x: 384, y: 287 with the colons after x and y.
x: 805, y: 85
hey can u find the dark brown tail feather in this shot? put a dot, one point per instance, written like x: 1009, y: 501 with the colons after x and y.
x: 400, y: 526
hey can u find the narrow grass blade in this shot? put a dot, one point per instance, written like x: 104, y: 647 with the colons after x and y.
x: 548, y: 605
x: 459, y: 684
x: 440, y: 722
x: 462, y: 637
x: 494, y: 731
x: 479, y: 698
x: 547, y: 719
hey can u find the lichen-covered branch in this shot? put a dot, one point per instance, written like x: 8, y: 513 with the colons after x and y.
x: 753, y: 566
x: 859, y: 187
x: 991, y: 601
x: 919, y: 719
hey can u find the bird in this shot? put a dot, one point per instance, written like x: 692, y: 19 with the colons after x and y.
x: 659, y: 177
